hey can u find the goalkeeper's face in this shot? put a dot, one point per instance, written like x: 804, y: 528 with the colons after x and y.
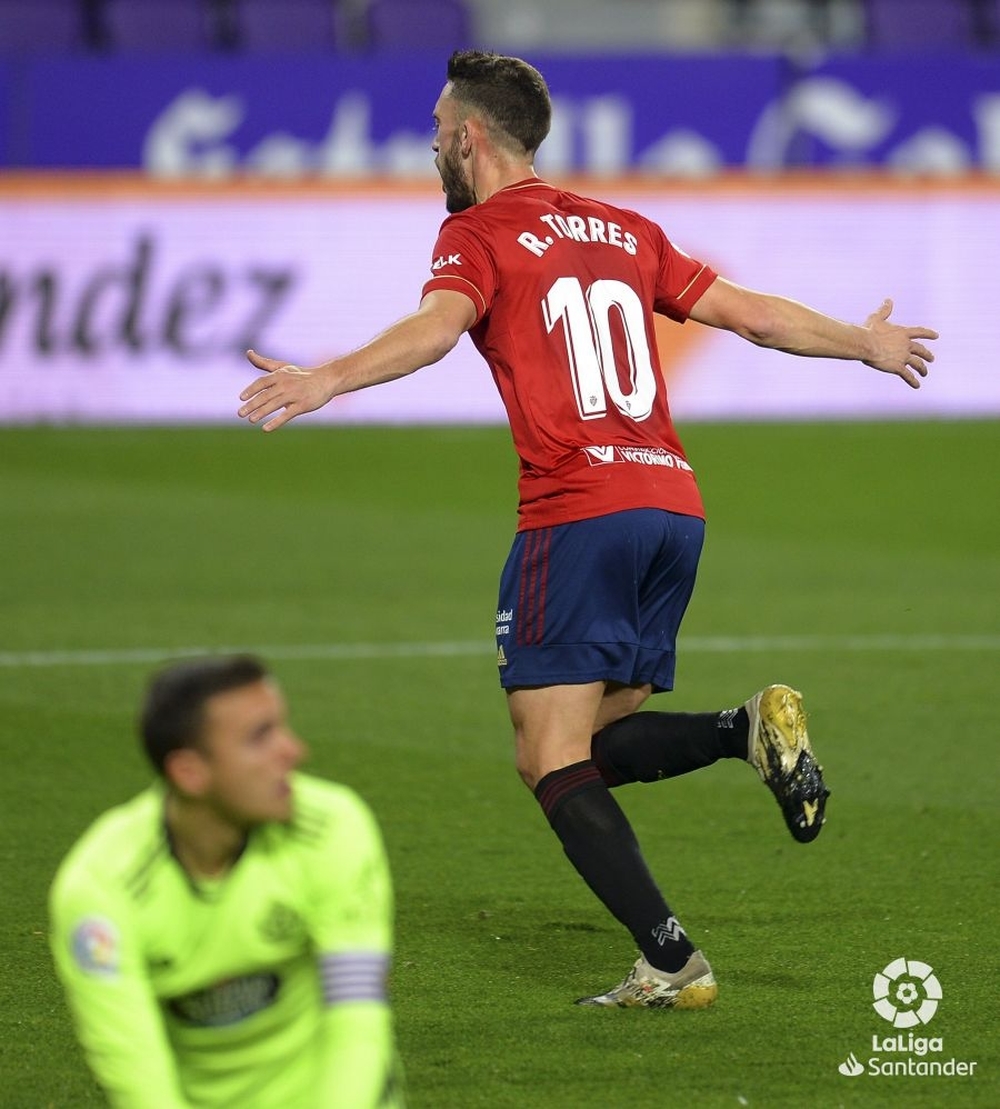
x: 247, y: 755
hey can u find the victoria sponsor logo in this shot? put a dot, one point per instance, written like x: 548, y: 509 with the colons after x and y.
x: 643, y: 456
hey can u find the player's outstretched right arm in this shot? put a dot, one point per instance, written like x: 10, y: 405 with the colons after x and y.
x: 415, y: 341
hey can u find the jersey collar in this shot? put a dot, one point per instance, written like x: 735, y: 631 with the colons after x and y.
x: 527, y: 183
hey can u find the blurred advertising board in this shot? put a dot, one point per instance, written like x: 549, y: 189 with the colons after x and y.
x: 122, y: 300
x: 213, y: 116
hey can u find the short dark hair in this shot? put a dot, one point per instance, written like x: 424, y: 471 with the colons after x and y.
x: 173, y: 713
x: 511, y: 95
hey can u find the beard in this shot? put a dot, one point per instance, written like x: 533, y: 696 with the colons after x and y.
x: 458, y: 194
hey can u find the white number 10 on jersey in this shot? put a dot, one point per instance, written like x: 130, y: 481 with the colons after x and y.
x: 586, y: 320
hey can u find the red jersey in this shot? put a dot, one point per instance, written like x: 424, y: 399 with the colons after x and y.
x: 565, y: 288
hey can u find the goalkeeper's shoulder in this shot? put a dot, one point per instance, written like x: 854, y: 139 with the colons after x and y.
x: 325, y: 811
x: 120, y: 844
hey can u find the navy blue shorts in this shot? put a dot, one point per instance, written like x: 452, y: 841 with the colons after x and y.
x: 597, y: 600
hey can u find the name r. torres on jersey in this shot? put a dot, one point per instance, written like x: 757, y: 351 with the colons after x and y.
x: 578, y: 229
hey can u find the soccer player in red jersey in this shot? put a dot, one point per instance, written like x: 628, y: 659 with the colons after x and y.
x: 558, y: 292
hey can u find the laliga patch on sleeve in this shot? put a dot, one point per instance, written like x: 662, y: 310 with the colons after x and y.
x: 95, y: 946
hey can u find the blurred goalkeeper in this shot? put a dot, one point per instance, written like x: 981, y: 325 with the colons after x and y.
x: 558, y: 293
x: 224, y: 937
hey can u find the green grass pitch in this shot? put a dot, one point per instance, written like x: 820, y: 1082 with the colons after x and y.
x: 858, y: 562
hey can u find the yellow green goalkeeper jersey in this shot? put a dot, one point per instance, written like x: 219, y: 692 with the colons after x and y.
x: 262, y: 990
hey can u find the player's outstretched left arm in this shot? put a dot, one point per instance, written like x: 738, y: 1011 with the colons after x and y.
x: 786, y: 325
x: 286, y: 391
x: 898, y: 349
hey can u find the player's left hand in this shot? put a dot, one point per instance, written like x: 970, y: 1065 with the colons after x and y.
x: 286, y: 389
x: 899, y: 350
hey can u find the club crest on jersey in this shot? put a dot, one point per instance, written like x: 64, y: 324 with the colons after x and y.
x: 281, y: 924
x: 443, y: 260
x: 95, y: 946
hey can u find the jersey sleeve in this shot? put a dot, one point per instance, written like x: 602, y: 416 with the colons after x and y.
x: 99, y: 962
x: 681, y: 279
x: 351, y: 927
x: 462, y: 265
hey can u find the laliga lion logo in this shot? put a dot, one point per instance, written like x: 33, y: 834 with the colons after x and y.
x: 906, y: 993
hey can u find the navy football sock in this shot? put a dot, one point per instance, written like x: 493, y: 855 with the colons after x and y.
x: 599, y: 842
x: 650, y: 746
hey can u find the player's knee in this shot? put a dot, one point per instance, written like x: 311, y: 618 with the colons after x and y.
x: 535, y: 760
x: 527, y: 765
x: 528, y: 776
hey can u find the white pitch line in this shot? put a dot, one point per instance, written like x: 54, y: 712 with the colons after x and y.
x: 914, y: 642
x: 461, y: 648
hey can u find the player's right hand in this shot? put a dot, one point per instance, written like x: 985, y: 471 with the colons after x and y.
x: 286, y: 391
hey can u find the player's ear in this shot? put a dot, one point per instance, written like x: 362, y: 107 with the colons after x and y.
x: 187, y: 770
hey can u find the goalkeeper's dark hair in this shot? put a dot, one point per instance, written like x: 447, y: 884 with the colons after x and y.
x: 173, y: 714
x: 510, y: 95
